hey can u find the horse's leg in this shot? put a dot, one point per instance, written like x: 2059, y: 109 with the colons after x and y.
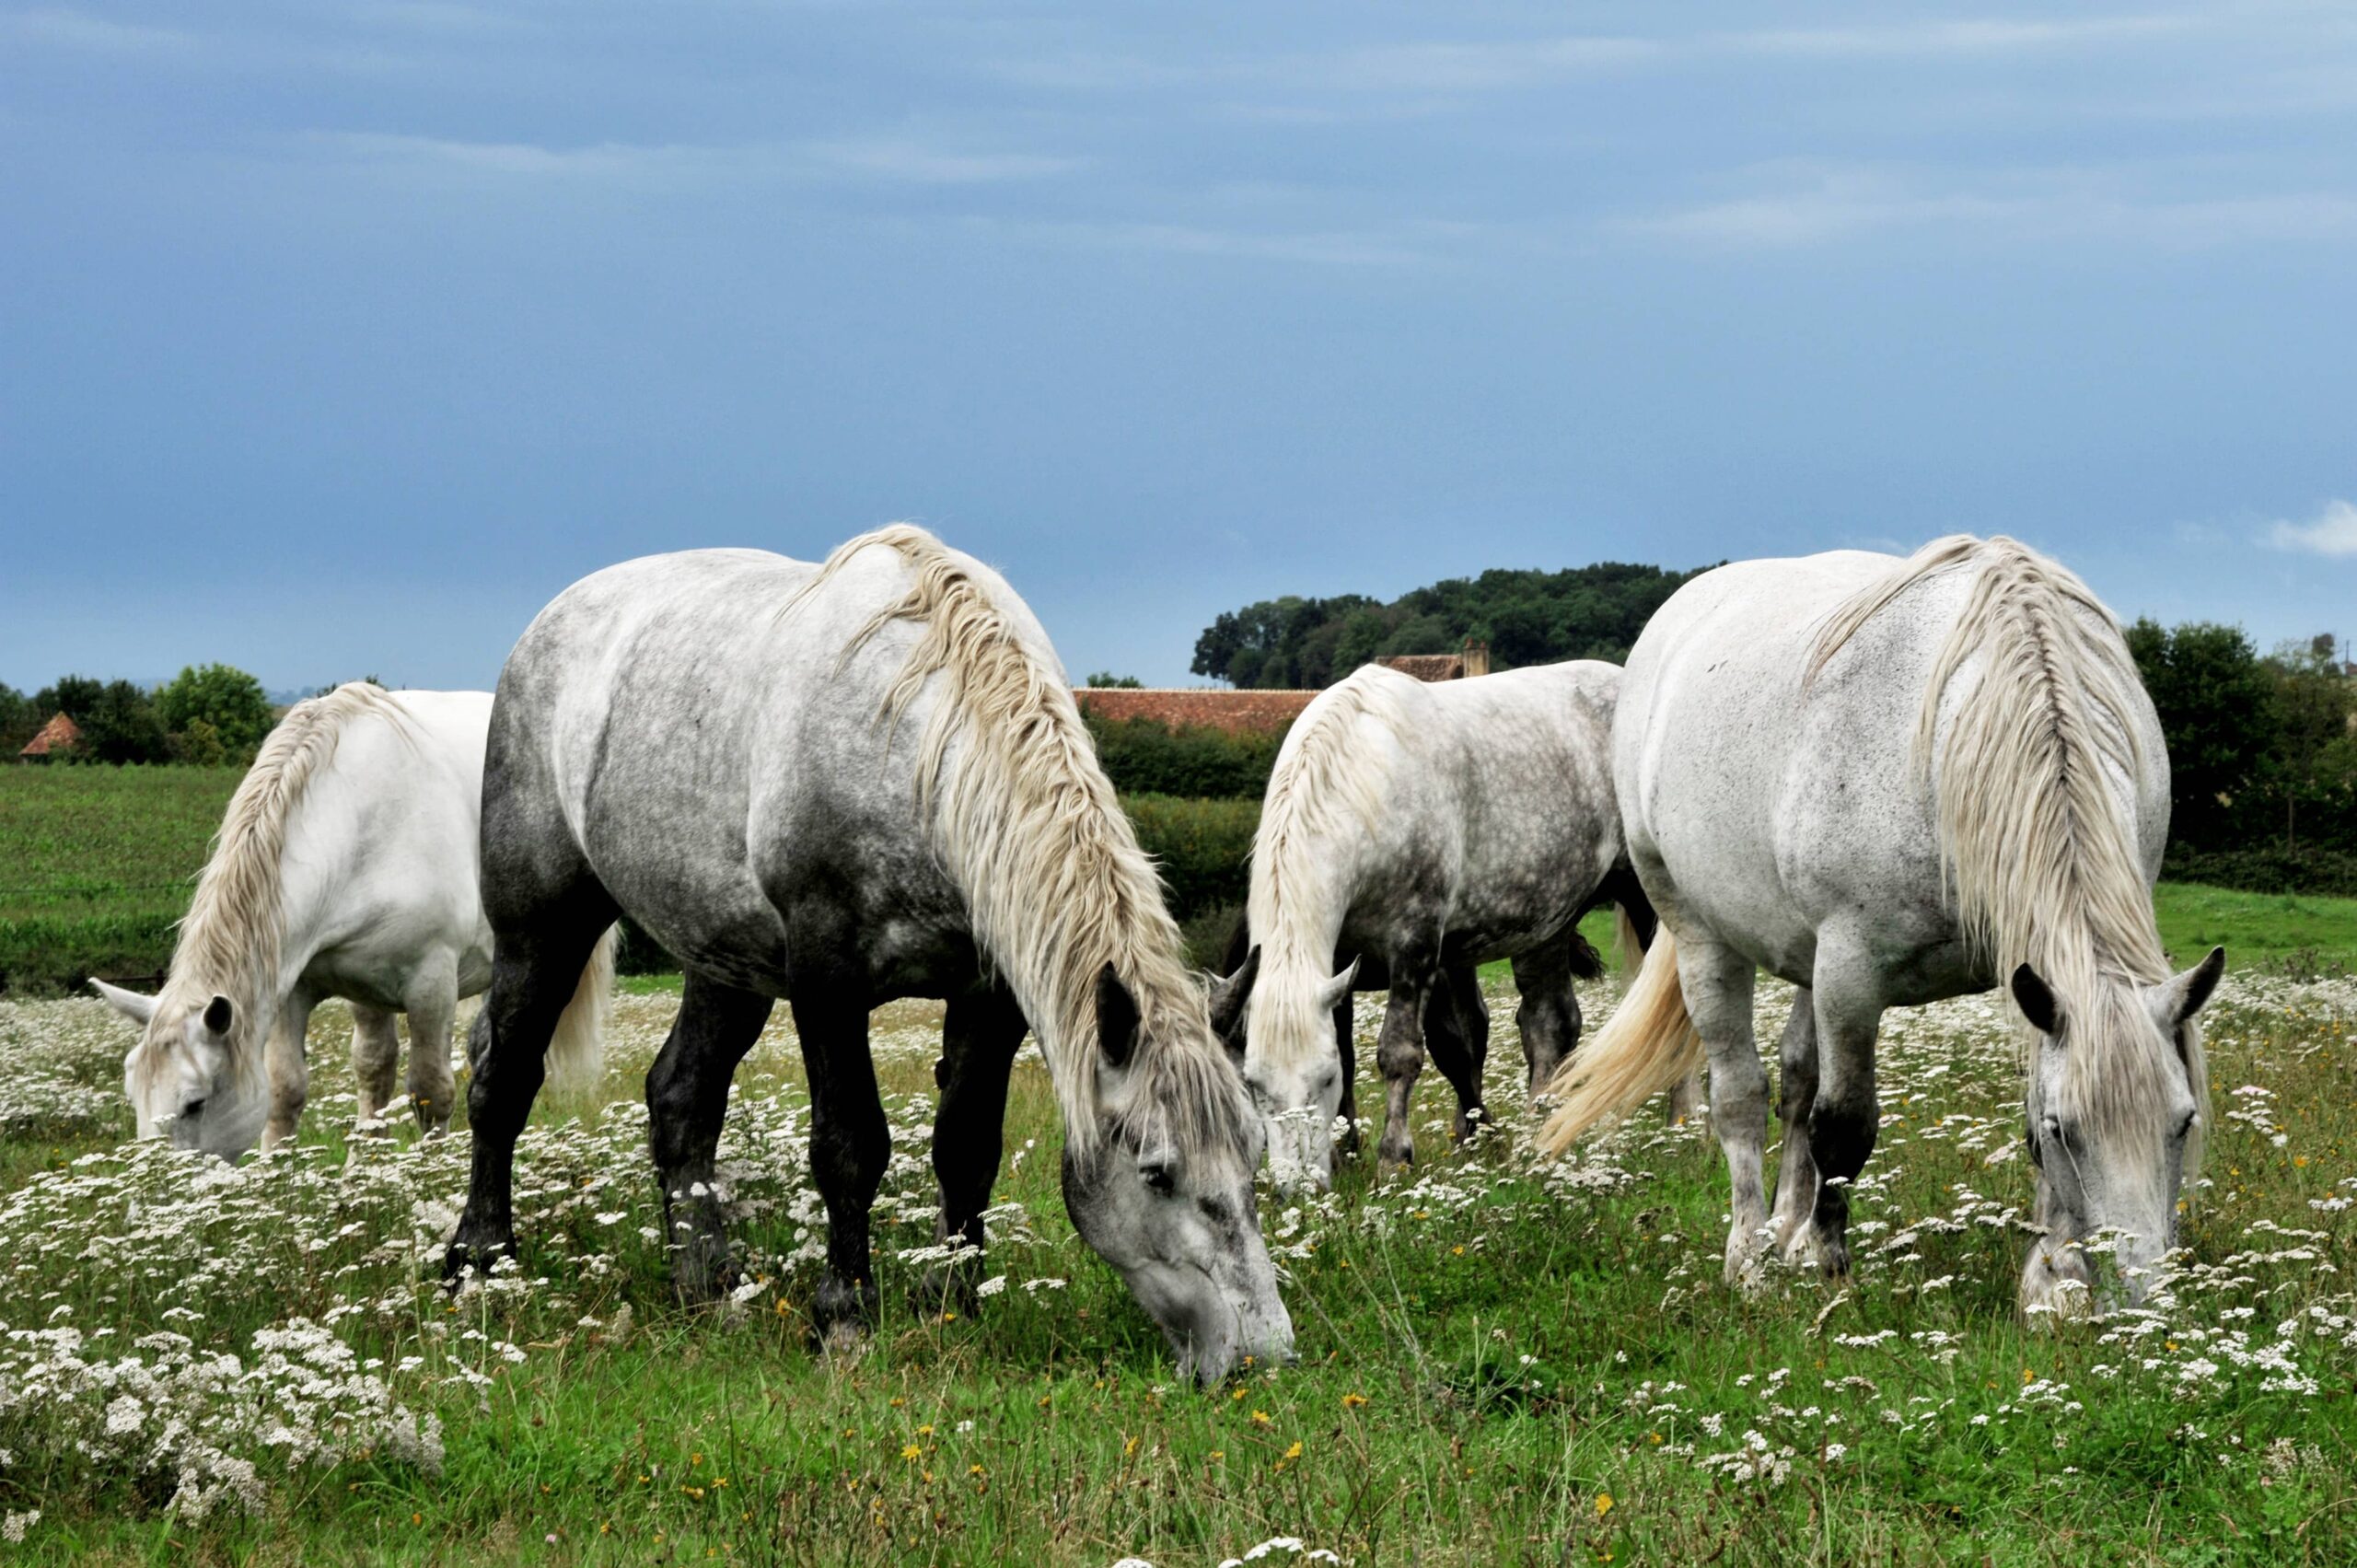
x: 534, y: 970
x: 1795, y: 1095
x: 687, y: 1097
x: 1399, y: 1056
x: 850, y: 1143
x: 1847, y: 1112
x: 290, y: 1074
x: 1457, y: 1034
x: 1549, y: 1013
x: 376, y: 1054
x: 981, y: 1033
x: 432, y: 1003
x: 1346, y: 1047
x: 1717, y: 981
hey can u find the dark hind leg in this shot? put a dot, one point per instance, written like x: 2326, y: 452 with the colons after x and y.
x: 981, y: 1033
x: 1549, y: 1013
x: 1457, y: 1034
x: 1346, y: 1047
x: 687, y: 1097
x: 850, y: 1141
x: 534, y: 971
x: 1796, y: 1102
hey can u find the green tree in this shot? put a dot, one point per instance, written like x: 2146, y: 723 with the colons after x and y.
x: 228, y: 699
x: 76, y: 696
x: 1104, y: 679
x: 122, y: 726
x: 2216, y: 699
x: 1526, y: 617
x: 20, y: 720
x: 2313, y: 760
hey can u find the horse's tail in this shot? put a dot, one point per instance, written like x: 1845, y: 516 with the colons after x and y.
x: 1648, y: 1046
x: 577, y: 1056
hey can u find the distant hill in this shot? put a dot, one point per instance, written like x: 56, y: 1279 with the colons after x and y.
x: 1525, y: 616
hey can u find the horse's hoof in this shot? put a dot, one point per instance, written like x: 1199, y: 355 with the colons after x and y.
x: 839, y: 1308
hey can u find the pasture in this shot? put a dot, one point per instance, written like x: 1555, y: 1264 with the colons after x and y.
x: 1501, y: 1362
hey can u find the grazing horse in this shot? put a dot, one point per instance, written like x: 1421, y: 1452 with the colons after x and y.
x: 1890, y: 782
x: 1423, y: 830
x: 838, y: 785
x: 345, y: 866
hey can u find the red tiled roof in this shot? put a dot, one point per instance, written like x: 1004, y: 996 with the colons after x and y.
x: 60, y: 734
x: 1266, y: 712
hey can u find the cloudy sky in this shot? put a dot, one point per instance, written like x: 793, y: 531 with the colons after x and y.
x: 336, y: 336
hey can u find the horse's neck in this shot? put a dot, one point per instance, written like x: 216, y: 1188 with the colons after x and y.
x: 1304, y: 921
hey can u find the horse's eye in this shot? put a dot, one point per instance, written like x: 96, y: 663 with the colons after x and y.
x: 2192, y: 1119
x: 193, y: 1108
x: 1159, y: 1176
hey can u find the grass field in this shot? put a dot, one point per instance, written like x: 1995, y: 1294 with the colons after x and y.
x: 1503, y: 1362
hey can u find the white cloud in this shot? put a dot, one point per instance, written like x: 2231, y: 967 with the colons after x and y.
x: 78, y: 30
x: 1933, y: 40
x: 918, y: 163
x: 1805, y: 204
x: 2334, y: 532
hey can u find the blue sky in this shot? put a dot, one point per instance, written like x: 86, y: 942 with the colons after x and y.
x: 336, y: 336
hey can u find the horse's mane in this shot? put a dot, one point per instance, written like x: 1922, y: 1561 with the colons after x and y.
x: 1322, y: 786
x: 1054, y: 880
x: 230, y: 939
x: 2033, y: 842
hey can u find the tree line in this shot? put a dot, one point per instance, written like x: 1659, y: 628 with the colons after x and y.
x: 207, y: 714
x: 2262, y: 757
x: 1525, y: 617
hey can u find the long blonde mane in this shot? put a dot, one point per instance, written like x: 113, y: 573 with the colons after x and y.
x: 1056, y: 882
x: 1324, y: 788
x: 2035, y: 839
x: 231, y: 938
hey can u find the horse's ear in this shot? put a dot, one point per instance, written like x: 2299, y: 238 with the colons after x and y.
x: 217, y: 1015
x: 2035, y: 1001
x: 130, y: 1004
x: 2189, y: 992
x: 1117, y: 1019
x: 1332, y: 994
x: 1229, y: 996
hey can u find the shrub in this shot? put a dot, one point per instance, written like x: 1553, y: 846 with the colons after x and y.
x: 1148, y: 757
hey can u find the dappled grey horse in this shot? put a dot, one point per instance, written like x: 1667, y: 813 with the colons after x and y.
x: 1890, y: 782
x: 1409, y: 833
x: 838, y: 786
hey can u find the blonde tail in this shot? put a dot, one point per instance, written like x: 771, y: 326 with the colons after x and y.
x: 577, y: 1056
x: 1630, y: 946
x: 1648, y: 1046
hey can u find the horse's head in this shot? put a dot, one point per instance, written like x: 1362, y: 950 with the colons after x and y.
x: 1165, y: 1191
x: 182, y: 1077
x: 1284, y: 1047
x: 2117, y: 1097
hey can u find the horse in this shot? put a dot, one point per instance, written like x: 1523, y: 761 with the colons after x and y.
x: 835, y: 786
x: 1421, y: 830
x: 1889, y: 781
x: 345, y: 867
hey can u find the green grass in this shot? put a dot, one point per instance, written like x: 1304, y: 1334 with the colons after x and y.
x: 96, y: 865
x: 1423, y: 1434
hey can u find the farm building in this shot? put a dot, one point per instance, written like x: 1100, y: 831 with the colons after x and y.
x: 60, y: 734
x: 1474, y: 660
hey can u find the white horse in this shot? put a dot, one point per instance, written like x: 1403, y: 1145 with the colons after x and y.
x: 838, y: 785
x: 1890, y: 782
x: 1421, y: 830
x: 345, y: 866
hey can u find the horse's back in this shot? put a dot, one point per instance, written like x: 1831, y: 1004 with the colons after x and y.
x: 1766, y: 803
x: 702, y: 734
x: 380, y: 847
